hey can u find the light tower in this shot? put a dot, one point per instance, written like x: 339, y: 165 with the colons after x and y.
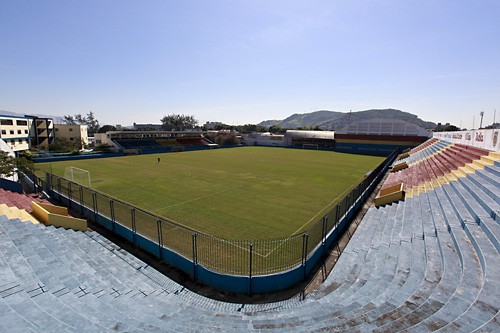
x: 481, y: 122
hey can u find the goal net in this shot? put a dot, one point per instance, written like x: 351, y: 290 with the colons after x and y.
x: 77, y: 175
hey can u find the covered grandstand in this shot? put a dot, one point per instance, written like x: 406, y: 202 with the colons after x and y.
x: 379, y: 136
x: 153, y: 141
x: 301, y: 139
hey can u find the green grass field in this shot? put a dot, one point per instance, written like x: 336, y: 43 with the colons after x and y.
x: 240, y: 193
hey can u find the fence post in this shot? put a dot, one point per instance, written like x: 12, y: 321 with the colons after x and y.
x: 112, y: 211
x: 132, y: 215
x: 304, y: 252
x: 69, y: 195
x: 81, y: 200
x: 160, y: 237
x: 195, y: 254
x: 94, y: 205
x: 49, y: 183
x: 250, y: 270
x: 337, y: 208
x: 59, y: 188
x: 323, y: 232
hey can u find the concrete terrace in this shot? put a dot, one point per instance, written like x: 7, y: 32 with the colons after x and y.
x: 428, y: 263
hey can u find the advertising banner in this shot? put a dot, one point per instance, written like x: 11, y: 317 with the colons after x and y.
x: 486, y: 139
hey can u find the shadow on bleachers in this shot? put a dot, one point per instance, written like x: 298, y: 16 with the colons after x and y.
x: 430, y: 262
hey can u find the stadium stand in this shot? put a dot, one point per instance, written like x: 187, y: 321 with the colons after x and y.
x: 146, y: 144
x: 428, y: 263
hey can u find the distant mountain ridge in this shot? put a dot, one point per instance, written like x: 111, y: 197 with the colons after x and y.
x: 333, y: 120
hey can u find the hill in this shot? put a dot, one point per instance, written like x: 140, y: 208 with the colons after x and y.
x: 333, y: 120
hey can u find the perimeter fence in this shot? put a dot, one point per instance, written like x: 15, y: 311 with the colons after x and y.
x: 246, y: 258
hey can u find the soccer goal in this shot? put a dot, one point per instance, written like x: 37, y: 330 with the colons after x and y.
x: 77, y: 175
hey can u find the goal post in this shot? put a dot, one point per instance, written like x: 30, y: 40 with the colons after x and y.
x: 77, y: 175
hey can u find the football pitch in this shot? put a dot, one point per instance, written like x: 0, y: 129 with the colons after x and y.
x: 245, y: 193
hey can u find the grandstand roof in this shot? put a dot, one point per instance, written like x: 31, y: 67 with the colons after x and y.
x: 384, y: 127
x: 309, y: 134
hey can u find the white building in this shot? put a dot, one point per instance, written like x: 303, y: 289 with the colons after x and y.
x: 15, y: 132
x: 264, y: 139
x: 73, y: 133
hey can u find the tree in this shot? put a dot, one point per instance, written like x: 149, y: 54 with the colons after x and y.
x: 106, y: 128
x: 91, y: 122
x: 446, y: 128
x: 275, y: 129
x: 9, y: 165
x: 226, y: 139
x: 78, y: 119
x: 62, y: 145
x: 24, y: 165
x: 178, y: 122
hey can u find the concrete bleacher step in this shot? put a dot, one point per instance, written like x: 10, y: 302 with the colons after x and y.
x: 494, y: 169
x: 489, y: 205
x: 440, y: 252
x: 351, y: 257
x: 470, y: 210
x: 488, y: 177
x: 14, y: 212
x: 100, y: 296
x: 396, y: 306
x: 473, y: 274
x: 125, y: 296
x: 485, y: 305
x: 39, y: 306
x: 491, y: 188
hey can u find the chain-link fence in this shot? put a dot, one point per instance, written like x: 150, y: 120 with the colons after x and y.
x: 235, y: 257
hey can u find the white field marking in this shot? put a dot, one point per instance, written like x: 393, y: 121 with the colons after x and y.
x: 322, y: 210
x: 246, y: 249
x: 199, y: 198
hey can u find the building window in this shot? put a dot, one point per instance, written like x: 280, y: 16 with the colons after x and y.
x: 6, y: 122
x: 4, y: 132
x: 21, y: 122
x: 20, y: 140
x: 25, y: 131
x: 71, y: 139
x: 71, y: 130
x: 19, y: 131
x: 11, y: 132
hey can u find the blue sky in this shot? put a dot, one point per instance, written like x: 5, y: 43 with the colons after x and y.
x: 246, y: 61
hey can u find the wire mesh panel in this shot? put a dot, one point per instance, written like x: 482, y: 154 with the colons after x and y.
x: 103, y: 206
x: 275, y: 255
x: 63, y: 185
x: 315, y: 236
x: 227, y: 256
x: 88, y: 200
x: 122, y: 215
x: 146, y: 225
x: 177, y: 238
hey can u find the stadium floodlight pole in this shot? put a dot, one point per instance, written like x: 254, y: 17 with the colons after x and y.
x: 481, y: 122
